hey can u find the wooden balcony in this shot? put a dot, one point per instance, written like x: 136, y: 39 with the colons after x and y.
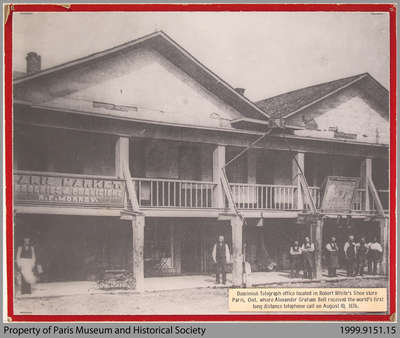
x: 358, y: 201
x: 47, y: 189
x: 171, y: 193
x: 264, y: 196
x: 284, y: 197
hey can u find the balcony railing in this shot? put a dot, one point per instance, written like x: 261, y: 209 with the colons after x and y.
x: 264, y: 196
x: 316, y: 196
x: 59, y: 189
x: 284, y: 197
x: 384, y: 197
x: 358, y: 201
x: 171, y: 193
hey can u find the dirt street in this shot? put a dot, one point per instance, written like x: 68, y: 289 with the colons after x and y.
x: 189, y: 301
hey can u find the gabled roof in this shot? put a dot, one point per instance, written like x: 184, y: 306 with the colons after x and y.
x: 174, y: 53
x: 287, y: 104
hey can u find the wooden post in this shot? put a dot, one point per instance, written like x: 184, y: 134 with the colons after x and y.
x: 122, y: 170
x: 384, y: 240
x: 237, y: 255
x: 172, y: 243
x: 299, y: 157
x: 317, y: 231
x: 252, y: 177
x: 177, y: 248
x: 218, y: 163
x: 251, y: 166
x: 121, y: 155
x: 366, y: 173
x: 138, y: 243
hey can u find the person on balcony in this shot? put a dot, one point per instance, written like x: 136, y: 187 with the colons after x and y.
x: 295, y: 259
x: 362, y: 252
x: 221, y: 256
x: 350, y: 253
x: 374, y: 256
x: 26, y: 260
x: 332, y: 256
x: 307, y: 250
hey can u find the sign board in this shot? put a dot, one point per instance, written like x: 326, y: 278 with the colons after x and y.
x: 68, y: 190
x: 338, y: 194
x: 306, y: 218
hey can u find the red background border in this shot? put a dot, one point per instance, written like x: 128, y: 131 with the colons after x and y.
x: 391, y: 9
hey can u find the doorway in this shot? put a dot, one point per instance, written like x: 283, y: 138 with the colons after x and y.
x: 191, y: 249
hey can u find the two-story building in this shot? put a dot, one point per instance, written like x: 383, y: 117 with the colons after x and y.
x: 119, y: 157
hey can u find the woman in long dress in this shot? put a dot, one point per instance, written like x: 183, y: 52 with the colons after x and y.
x: 26, y: 260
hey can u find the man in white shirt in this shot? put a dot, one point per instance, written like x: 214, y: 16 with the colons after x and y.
x: 350, y: 252
x: 374, y: 255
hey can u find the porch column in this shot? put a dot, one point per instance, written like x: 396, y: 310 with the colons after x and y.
x: 138, y: 243
x: 316, y: 237
x: 121, y: 155
x: 172, y: 243
x: 251, y: 166
x: 237, y: 248
x: 299, y: 157
x: 384, y: 240
x: 366, y: 172
x: 177, y: 248
x: 218, y: 163
x: 252, y: 176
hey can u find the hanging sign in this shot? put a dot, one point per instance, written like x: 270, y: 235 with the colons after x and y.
x: 338, y: 194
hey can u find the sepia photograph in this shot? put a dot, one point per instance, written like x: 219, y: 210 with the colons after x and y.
x: 162, y: 160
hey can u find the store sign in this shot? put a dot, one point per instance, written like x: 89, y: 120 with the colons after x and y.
x: 348, y: 136
x: 64, y: 190
x: 338, y: 194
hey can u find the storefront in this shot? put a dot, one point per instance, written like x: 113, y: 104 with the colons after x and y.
x: 76, y: 248
x: 181, y: 246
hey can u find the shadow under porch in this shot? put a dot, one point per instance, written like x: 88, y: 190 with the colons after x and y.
x: 181, y: 246
x: 81, y: 248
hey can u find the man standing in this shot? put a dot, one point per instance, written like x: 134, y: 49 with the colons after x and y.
x: 26, y: 261
x: 350, y: 252
x: 362, y: 251
x: 221, y: 257
x: 295, y: 259
x: 307, y: 250
x: 332, y: 257
x: 374, y: 255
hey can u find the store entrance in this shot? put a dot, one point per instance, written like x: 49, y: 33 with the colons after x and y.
x: 75, y: 248
x: 191, y: 249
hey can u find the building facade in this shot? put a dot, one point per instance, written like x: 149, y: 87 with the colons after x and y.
x: 119, y: 161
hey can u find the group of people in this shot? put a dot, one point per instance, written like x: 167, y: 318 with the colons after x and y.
x: 302, y: 257
x: 362, y: 254
x: 357, y: 255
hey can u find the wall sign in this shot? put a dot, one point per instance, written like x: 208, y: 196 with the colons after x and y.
x: 338, y: 194
x: 68, y: 190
